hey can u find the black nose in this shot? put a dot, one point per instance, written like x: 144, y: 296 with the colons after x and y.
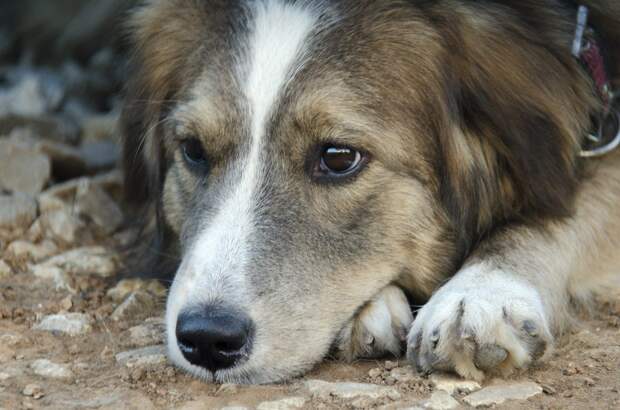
x: 214, y: 337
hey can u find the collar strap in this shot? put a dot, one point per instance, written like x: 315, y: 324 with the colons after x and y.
x: 586, y: 49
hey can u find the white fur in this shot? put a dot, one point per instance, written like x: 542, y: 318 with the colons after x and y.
x: 495, y: 305
x: 387, y: 319
x: 215, y: 266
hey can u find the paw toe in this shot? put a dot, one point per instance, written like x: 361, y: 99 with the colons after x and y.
x: 490, y: 356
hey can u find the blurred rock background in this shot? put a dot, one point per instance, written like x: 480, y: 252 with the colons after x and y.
x: 61, y: 76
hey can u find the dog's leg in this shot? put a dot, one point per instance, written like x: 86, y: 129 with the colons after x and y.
x: 499, y: 312
x: 380, y: 328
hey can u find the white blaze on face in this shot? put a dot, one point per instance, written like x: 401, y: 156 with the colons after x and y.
x: 214, y: 266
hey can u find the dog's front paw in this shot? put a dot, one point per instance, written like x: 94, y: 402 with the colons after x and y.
x: 380, y: 328
x: 480, y: 322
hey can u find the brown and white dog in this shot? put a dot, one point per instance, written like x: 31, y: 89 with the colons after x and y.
x: 317, y: 166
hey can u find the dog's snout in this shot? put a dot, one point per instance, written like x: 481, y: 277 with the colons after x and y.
x: 214, y: 337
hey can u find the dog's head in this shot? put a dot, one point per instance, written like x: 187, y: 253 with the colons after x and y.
x: 306, y: 154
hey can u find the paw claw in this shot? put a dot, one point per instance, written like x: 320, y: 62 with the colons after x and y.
x: 530, y: 328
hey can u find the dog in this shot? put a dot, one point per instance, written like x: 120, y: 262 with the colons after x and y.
x: 316, y: 172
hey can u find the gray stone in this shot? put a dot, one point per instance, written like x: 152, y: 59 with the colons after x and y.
x: 17, y: 211
x: 72, y: 324
x: 22, y: 168
x: 325, y: 390
x: 440, y: 400
x: 452, y: 384
x: 136, y: 305
x: 99, y: 156
x: 30, y: 251
x: 498, y: 394
x: 289, y: 403
x: 100, y: 127
x: 151, y: 332
x: 52, y: 127
x: 93, y: 202
x: 5, y: 269
x: 32, y: 96
x: 59, y: 196
x: 63, y: 225
x: 33, y: 390
x: 91, y: 260
x: 58, y: 276
x: 143, y: 357
x: 51, y: 370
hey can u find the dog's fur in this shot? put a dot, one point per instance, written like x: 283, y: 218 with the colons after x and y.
x: 473, y: 113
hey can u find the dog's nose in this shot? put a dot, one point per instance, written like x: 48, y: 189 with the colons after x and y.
x: 214, y: 337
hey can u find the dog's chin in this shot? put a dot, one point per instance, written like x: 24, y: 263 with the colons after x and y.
x: 244, y: 373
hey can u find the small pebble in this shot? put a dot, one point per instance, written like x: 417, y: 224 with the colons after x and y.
x: 33, y: 390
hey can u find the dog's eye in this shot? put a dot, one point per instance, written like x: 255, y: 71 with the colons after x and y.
x: 193, y: 152
x: 339, y: 161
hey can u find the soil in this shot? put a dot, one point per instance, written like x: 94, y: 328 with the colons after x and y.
x: 584, y: 371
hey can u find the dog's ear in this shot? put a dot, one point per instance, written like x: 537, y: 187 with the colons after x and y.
x: 519, y: 106
x: 164, y: 35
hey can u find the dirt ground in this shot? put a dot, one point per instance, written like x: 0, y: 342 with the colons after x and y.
x: 584, y: 372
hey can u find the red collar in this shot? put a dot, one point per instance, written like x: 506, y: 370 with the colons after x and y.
x: 587, y: 50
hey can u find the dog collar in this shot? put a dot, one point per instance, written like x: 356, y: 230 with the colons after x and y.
x: 605, y: 136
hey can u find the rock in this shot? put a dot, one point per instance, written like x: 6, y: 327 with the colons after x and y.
x: 151, y: 332
x: 325, y: 390
x: 17, y: 211
x: 288, y: 403
x: 52, y: 127
x: 93, y: 202
x: 99, y: 156
x: 100, y: 127
x: 60, y: 278
x: 403, y: 374
x: 33, y: 390
x: 227, y: 389
x: 23, y: 169
x: 376, y: 372
x: 5, y: 269
x: 59, y: 196
x: 51, y: 370
x: 452, y: 384
x: 440, y: 400
x: 126, y: 286
x: 389, y: 365
x: 137, y: 304
x: 32, y: 96
x: 29, y: 251
x: 63, y: 225
x: 92, y: 260
x: 143, y: 357
x: 72, y: 324
x: 498, y: 394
